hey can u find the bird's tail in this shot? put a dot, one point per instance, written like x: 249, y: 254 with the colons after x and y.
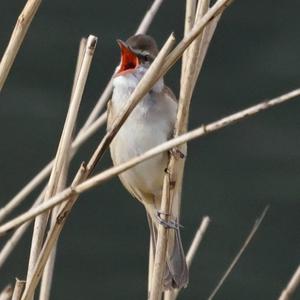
x: 176, y: 274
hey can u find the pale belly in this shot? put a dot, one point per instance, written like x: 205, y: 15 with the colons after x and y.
x: 149, y: 125
x: 132, y: 140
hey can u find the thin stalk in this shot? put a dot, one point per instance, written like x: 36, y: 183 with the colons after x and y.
x: 197, y: 240
x: 208, y: 33
x: 190, y: 11
x: 189, y: 76
x: 80, y: 56
x: 150, y: 265
x: 114, y: 171
x: 149, y: 16
x: 294, y: 282
x: 24, y: 192
x: 17, y: 37
x: 161, y: 246
x: 46, y: 282
x: 171, y: 59
x: 192, y: 14
x: 52, y: 237
x: 14, y: 239
x: 176, y: 166
x: 18, y: 290
x: 170, y: 205
x: 62, y: 154
x: 239, y: 254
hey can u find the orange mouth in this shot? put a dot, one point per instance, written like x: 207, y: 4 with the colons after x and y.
x: 129, y: 61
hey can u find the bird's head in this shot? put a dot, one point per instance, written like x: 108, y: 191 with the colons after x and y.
x: 137, y: 52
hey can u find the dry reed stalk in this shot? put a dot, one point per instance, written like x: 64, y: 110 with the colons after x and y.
x: 17, y: 37
x: 169, y: 205
x: 294, y: 282
x: 52, y: 237
x: 89, y: 131
x: 191, y: 18
x: 190, y: 11
x: 6, y: 293
x: 89, y: 127
x: 174, y: 168
x: 18, y: 198
x: 14, y: 239
x: 212, y: 16
x: 174, y: 142
x: 11, y: 243
x: 46, y: 281
x: 62, y: 155
x: 161, y: 245
x: 172, y: 295
x: 239, y: 254
x: 197, y: 240
x: 18, y: 290
x: 206, y: 39
x: 80, y: 56
x: 150, y: 265
x: 191, y: 68
x: 148, y: 18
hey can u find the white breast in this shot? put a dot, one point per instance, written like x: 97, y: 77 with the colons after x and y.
x: 149, y: 124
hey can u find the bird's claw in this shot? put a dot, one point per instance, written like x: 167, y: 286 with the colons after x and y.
x: 171, y: 224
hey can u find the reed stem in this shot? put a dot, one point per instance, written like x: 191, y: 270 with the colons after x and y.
x: 17, y: 37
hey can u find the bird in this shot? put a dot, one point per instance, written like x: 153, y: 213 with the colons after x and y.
x: 149, y: 124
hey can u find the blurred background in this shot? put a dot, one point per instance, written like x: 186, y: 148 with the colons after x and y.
x: 230, y: 175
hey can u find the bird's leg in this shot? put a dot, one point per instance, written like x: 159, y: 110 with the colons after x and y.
x: 171, y: 224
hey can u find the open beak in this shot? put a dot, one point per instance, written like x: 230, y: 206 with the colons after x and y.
x: 129, y: 60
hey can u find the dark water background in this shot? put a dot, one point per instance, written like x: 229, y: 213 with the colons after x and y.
x: 230, y: 175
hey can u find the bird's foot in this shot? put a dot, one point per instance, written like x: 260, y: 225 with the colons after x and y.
x: 170, y: 224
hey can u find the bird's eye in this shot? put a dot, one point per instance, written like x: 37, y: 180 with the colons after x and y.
x: 146, y: 57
